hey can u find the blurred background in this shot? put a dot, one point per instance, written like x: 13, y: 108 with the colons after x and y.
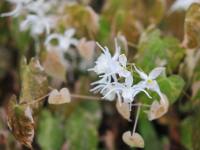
x: 151, y: 33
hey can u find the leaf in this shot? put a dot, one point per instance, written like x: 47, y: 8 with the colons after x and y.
x: 133, y: 140
x: 50, y: 132
x: 124, y: 110
x: 86, y: 49
x: 158, y: 109
x: 81, y: 127
x: 59, y: 97
x: 83, y: 19
x: 152, y: 142
x: 195, y: 130
x: 186, y: 133
x: 154, y: 51
x: 171, y: 87
x: 54, y: 66
x: 34, y: 81
x: 192, y: 27
x: 20, y: 122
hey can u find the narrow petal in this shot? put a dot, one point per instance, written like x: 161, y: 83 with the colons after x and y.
x: 129, y: 81
x: 123, y: 60
x: 141, y: 73
x: 156, y: 72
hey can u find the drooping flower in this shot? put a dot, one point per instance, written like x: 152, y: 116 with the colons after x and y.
x: 64, y: 41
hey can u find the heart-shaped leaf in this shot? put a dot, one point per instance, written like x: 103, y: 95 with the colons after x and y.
x: 59, y: 97
x: 124, y: 110
x: 158, y: 109
x: 133, y: 140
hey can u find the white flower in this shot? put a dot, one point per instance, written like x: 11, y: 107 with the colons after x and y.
x: 109, y: 65
x: 182, y: 4
x: 37, y: 24
x: 64, y: 41
x: 127, y: 89
x: 149, y: 81
x: 19, y: 7
x: 38, y: 7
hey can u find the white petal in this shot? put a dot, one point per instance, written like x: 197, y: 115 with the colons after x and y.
x: 156, y: 72
x: 69, y: 32
x: 129, y: 80
x: 123, y: 60
x: 141, y: 73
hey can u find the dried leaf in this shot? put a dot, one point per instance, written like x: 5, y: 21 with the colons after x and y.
x: 34, y: 81
x: 54, y: 66
x: 124, y: 110
x: 133, y: 140
x: 20, y: 122
x: 158, y: 109
x: 192, y: 27
x: 59, y: 97
x: 86, y: 49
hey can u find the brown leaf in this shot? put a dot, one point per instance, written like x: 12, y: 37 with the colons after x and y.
x: 124, y: 110
x: 20, y: 122
x: 192, y: 27
x: 59, y: 97
x: 54, y: 66
x: 158, y: 109
x: 133, y: 140
x: 86, y: 49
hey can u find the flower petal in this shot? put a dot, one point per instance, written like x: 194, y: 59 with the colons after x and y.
x: 156, y: 72
x: 123, y: 60
x: 141, y: 73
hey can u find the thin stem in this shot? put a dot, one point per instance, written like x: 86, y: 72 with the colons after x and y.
x: 136, y: 119
x: 85, y: 97
x: 143, y: 105
x: 37, y: 100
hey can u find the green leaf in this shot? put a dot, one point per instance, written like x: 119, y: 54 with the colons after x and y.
x: 186, y: 133
x: 154, y: 50
x: 24, y: 41
x: 34, y: 81
x: 171, y: 87
x: 149, y: 135
x: 82, y: 126
x: 50, y: 132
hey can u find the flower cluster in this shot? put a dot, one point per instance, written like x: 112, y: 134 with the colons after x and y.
x: 117, y: 82
x: 37, y: 17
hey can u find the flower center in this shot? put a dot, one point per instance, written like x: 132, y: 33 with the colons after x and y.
x: 149, y: 81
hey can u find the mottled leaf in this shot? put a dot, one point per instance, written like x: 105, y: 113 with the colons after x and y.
x: 171, y: 87
x: 154, y: 50
x: 20, y: 122
x: 192, y: 27
x: 34, y: 81
x: 81, y: 127
x: 50, y: 132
